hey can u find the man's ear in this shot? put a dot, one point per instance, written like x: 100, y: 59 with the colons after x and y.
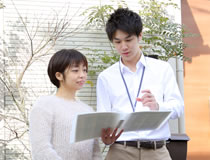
x: 140, y: 36
x: 59, y: 76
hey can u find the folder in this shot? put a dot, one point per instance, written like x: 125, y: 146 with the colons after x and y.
x: 89, y: 125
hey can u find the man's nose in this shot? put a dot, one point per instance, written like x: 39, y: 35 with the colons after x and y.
x: 124, y: 45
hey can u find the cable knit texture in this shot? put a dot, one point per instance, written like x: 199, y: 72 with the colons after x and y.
x: 50, y: 126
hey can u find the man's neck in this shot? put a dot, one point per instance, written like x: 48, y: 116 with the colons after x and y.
x: 132, y: 64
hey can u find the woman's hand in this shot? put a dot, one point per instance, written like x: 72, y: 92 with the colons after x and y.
x: 109, y: 137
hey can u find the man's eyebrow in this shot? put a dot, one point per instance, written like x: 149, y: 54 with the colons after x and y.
x: 74, y: 65
x: 115, y: 38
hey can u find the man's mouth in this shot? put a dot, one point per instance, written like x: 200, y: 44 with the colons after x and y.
x: 125, y: 53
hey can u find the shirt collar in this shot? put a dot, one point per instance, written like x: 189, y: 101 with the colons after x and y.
x: 139, y: 64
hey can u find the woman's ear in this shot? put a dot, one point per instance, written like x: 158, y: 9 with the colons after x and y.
x: 59, y: 76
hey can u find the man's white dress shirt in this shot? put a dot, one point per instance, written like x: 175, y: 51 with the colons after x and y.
x: 158, y: 77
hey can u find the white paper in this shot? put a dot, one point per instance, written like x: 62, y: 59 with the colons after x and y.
x: 89, y: 125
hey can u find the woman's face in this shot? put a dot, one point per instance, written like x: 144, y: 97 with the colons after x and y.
x: 74, y: 77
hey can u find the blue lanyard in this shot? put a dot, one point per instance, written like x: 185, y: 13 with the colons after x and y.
x: 140, y: 83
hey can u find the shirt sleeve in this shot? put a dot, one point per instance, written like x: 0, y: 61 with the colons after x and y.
x: 172, y: 99
x: 103, y: 99
x: 40, y: 131
x: 96, y: 150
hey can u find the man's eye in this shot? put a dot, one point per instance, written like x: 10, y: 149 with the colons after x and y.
x: 75, y: 70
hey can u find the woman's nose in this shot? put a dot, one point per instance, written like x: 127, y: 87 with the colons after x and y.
x: 83, y: 73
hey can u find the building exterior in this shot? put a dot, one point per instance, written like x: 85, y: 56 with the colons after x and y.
x: 196, y: 16
x: 30, y: 32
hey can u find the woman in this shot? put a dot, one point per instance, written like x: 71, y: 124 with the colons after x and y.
x: 51, y: 116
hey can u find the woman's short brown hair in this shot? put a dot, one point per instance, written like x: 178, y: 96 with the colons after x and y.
x: 63, y: 59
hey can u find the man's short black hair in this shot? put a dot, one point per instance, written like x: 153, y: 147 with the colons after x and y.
x: 63, y: 59
x: 125, y: 20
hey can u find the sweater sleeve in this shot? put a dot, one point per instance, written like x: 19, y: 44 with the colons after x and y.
x: 96, y: 150
x: 40, y: 132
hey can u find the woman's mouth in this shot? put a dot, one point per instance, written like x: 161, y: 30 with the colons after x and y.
x: 81, y: 82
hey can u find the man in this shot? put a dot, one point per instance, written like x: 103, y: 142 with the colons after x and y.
x: 137, y: 83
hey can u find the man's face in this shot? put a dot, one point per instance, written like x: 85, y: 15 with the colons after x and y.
x: 127, y: 45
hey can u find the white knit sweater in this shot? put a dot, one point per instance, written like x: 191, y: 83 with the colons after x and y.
x: 50, y: 125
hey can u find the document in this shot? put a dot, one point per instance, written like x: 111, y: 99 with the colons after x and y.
x: 89, y: 125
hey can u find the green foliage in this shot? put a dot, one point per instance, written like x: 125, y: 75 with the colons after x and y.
x: 98, y: 15
x: 162, y: 35
x: 99, y: 60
